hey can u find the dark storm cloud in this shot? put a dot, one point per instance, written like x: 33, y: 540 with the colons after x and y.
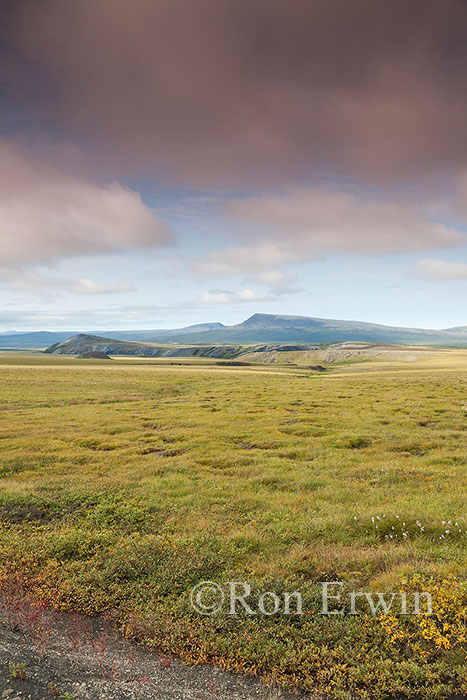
x: 237, y: 92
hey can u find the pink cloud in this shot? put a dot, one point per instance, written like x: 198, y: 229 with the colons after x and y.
x: 304, y: 223
x: 46, y: 213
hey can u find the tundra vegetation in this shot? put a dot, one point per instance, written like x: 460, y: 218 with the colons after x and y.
x: 126, y: 483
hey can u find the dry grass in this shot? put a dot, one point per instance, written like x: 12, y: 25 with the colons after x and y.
x: 123, y: 484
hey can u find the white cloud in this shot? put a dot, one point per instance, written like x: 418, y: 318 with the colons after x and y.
x: 87, y: 286
x: 46, y: 213
x: 443, y: 269
x: 275, y: 278
x: 280, y: 283
x: 218, y: 296
x: 36, y: 317
x: 33, y: 281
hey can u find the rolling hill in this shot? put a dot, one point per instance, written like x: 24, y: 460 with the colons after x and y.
x: 84, y: 344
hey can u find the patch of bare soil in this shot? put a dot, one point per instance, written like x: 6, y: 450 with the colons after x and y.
x: 78, y: 658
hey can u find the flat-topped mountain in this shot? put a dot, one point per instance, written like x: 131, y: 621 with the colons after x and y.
x: 283, y: 321
x: 277, y: 321
x: 274, y: 328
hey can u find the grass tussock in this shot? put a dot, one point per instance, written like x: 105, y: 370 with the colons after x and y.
x: 123, y: 486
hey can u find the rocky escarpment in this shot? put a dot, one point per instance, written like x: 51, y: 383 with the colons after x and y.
x: 96, y: 355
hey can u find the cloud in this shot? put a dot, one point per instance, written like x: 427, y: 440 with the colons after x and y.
x: 46, y: 213
x: 243, y: 259
x: 275, y: 278
x: 319, y: 219
x: 303, y: 224
x: 443, y: 269
x: 251, y: 91
x: 87, y: 286
x: 280, y: 283
x: 31, y: 280
x: 79, y: 320
x: 218, y: 296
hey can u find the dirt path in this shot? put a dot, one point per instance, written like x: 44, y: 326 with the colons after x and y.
x: 86, y: 659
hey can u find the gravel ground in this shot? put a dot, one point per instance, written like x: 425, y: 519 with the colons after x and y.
x: 89, y: 661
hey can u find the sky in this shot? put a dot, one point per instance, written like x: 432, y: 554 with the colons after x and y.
x: 169, y: 162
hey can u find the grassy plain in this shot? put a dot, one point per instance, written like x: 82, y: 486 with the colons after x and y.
x: 125, y: 483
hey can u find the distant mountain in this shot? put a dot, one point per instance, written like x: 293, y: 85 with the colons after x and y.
x: 197, y: 328
x: 269, y: 328
x: 42, y: 339
x: 261, y: 321
x: 457, y: 329
x: 261, y: 328
x: 160, y: 333
x: 35, y: 340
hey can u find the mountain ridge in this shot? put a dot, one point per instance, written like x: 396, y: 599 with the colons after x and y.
x: 279, y: 328
x: 302, y: 330
x: 259, y: 328
x: 41, y: 339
